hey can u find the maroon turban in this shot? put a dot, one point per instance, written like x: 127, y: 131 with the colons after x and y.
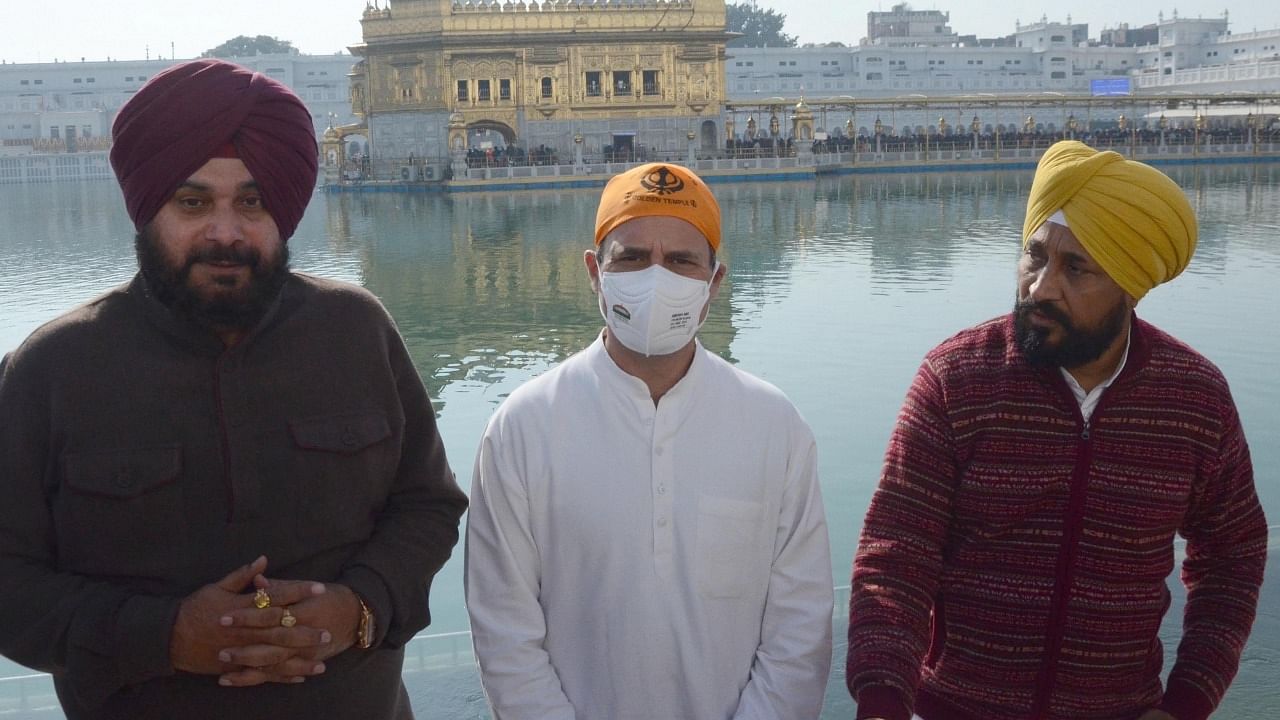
x: 183, y: 116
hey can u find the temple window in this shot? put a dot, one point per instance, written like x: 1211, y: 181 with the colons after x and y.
x: 621, y: 82
x: 651, y: 82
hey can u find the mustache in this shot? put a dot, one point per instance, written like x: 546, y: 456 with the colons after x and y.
x: 221, y: 253
x: 1026, y: 307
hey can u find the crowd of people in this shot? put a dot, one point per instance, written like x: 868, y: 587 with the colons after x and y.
x: 511, y: 156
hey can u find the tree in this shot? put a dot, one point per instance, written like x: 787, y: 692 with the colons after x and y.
x: 245, y: 46
x: 760, y: 27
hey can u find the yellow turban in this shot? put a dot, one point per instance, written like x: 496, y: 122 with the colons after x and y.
x: 1131, y: 218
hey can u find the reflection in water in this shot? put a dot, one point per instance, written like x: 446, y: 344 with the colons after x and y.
x: 835, y: 291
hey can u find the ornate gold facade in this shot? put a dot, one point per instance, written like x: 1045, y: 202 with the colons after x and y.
x: 540, y: 73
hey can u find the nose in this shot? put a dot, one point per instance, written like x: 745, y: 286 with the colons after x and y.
x: 224, y: 226
x: 1044, y: 285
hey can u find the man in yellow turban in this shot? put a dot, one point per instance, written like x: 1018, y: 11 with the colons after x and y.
x: 1013, y: 561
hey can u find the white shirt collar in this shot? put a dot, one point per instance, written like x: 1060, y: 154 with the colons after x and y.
x: 1088, y: 401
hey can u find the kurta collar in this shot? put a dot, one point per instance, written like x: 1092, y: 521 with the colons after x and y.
x: 608, y: 370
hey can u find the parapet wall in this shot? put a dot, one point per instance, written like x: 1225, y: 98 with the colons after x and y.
x: 425, y: 17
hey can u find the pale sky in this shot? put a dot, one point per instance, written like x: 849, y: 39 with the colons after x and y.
x: 96, y: 29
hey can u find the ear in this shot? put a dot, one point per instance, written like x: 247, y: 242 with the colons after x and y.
x: 593, y: 269
x: 721, y: 271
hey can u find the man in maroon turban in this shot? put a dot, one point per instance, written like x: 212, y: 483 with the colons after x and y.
x: 222, y: 489
x: 190, y: 118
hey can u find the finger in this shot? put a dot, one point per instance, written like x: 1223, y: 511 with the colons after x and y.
x: 239, y: 579
x: 299, y: 637
x: 293, y: 670
x: 288, y: 592
x: 255, y: 656
x: 254, y: 676
x: 252, y: 617
x: 283, y: 593
x: 295, y: 667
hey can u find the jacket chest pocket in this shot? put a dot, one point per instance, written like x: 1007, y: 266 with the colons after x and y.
x: 343, y: 471
x: 121, y: 512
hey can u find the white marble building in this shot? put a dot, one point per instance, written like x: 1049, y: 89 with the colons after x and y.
x: 79, y: 100
x: 1192, y: 55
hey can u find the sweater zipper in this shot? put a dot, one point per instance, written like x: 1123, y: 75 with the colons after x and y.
x: 224, y: 438
x: 1065, y: 572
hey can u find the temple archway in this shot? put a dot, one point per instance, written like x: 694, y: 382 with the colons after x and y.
x: 709, y: 141
x: 486, y: 134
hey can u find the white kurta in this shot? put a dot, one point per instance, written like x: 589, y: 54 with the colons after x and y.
x: 626, y: 561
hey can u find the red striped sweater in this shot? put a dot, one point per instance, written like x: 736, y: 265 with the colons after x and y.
x: 1014, y: 559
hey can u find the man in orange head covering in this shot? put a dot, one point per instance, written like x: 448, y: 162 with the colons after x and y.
x: 223, y: 493
x: 646, y: 537
x: 1013, y: 561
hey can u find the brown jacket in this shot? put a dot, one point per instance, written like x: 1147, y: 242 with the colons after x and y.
x: 140, y: 460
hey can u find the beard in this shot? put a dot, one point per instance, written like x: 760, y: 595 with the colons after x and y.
x: 241, y: 310
x: 1079, y: 346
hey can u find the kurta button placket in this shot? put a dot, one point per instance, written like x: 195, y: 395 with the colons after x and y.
x: 664, y: 420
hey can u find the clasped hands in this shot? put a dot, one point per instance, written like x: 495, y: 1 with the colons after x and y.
x: 220, y: 632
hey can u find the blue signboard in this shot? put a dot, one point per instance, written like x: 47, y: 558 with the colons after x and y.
x: 1109, y: 86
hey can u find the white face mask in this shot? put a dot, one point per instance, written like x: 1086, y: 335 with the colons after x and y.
x: 653, y: 311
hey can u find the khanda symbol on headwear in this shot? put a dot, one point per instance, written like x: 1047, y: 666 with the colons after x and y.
x: 662, y: 181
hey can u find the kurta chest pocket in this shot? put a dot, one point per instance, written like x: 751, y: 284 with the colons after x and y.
x: 120, y: 510
x: 728, y: 546
x: 343, y: 466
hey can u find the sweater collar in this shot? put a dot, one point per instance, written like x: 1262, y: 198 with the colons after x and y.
x: 190, y: 334
x: 1138, y: 354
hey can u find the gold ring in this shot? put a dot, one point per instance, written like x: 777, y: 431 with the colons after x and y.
x: 288, y: 620
x: 261, y: 599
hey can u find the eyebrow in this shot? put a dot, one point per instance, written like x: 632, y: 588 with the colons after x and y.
x: 682, y: 255
x: 621, y: 249
x: 1069, y: 256
x: 1078, y: 258
x: 201, y: 187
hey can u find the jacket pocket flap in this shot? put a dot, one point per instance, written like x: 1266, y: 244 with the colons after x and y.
x: 122, y: 473
x: 345, y: 434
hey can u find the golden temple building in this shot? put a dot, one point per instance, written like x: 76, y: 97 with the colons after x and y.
x: 638, y: 79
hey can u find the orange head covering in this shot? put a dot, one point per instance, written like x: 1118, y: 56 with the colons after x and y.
x: 663, y: 190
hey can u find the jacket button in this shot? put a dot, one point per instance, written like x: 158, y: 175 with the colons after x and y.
x: 348, y: 437
x: 123, y: 479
